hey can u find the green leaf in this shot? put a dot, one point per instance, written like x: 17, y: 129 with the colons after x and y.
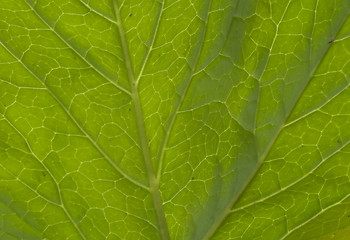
x: 186, y: 119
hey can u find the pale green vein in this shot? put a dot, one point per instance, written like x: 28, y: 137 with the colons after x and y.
x: 77, y: 52
x: 153, y: 183
x: 315, y: 216
x: 61, y: 205
x: 97, y: 12
x: 263, y: 156
x: 290, y: 185
x: 36, y: 158
x: 236, y: 197
x: 297, y: 97
x: 87, y: 135
x: 318, y: 107
x: 313, y: 26
x: 187, y: 81
x: 155, y: 31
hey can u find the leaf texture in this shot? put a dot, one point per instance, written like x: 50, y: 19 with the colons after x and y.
x: 161, y: 119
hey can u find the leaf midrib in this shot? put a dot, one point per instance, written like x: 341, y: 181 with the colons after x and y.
x: 153, y: 182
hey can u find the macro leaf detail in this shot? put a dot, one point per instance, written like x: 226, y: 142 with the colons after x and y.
x: 186, y: 119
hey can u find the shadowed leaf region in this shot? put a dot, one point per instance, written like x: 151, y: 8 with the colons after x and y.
x: 187, y: 119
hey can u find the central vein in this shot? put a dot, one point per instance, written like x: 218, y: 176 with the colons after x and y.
x: 153, y: 183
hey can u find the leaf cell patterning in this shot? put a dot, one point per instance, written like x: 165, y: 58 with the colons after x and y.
x: 162, y: 119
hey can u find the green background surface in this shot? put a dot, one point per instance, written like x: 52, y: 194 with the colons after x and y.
x: 187, y: 119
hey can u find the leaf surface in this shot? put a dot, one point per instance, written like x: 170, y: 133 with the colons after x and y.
x: 174, y: 119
